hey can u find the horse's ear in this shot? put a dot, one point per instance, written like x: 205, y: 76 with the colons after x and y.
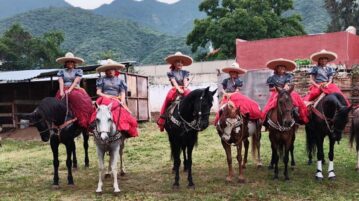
x: 110, y: 106
x: 279, y: 89
x: 214, y: 92
x: 291, y: 88
x: 31, y: 116
x: 206, y: 90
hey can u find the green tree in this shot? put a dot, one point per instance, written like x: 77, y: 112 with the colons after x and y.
x: 245, y: 19
x: 20, y: 50
x: 344, y: 13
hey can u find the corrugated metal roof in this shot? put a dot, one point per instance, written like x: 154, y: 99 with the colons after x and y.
x: 24, y: 74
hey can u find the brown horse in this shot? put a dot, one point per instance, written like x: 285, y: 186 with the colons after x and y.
x: 282, y: 129
x: 233, y: 128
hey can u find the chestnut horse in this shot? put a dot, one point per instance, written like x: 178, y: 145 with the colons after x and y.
x: 233, y: 128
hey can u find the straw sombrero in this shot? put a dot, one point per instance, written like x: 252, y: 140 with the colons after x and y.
x: 323, y: 53
x: 69, y: 57
x: 178, y: 56
x: 234, y: 68
x: 110, y: 65
x: 289, y: 64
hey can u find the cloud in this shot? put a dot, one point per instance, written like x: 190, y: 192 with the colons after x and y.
x: 92, y: 4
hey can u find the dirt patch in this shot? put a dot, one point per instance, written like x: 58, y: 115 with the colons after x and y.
x: 30, y: 133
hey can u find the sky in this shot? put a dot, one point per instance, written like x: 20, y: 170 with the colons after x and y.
x: 91, y: 4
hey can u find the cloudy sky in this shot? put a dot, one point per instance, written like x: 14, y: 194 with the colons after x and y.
x: 91, y: 4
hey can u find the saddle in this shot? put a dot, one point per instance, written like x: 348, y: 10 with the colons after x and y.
x: 315, y: 102
x: 171, y: 107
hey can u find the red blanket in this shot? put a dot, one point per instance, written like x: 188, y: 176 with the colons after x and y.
x: 80, y: 105
x: 314, y: 92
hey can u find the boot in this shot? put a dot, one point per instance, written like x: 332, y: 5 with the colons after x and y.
x: 161, y: 123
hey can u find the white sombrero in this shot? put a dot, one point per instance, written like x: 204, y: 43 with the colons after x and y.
x: 234, y: 68
x: 324, y: 54
x: 288, y: 64
x: 69, y: 57
x: 178, y: 56
x: 110, y: 65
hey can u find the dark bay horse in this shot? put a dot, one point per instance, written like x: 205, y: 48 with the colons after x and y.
x: 328, y: 118
x: 234, y: 128
x: 190, y: 116
x: 354, y: 134
x: 282, y: 129
x: 55, y: 122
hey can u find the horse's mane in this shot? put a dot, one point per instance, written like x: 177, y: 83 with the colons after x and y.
x: 197, y: 93
x: 52, y: 109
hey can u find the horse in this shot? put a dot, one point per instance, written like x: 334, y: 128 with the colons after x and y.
x: 190, y: 115
x: 234, y: 128
x: 55, y: 122
x: 281, y: 126
x: 107, y: 138
x: 329, y: 117
x: 354, y: 133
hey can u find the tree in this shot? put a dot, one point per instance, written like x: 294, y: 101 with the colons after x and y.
x: 245, y: 19
x: 344, y: 13
x: 20, y: 50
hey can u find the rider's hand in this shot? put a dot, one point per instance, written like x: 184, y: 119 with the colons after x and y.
x: 68, y: 91
x: 62, y: 94
x: 286, y: 87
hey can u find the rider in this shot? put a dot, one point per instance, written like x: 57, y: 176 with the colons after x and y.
x: 112, y: 89
x: 179, y: 80
x: 69, y: 84
x: 282, y: 79
x: 231, y: 92
x: 321, y: 76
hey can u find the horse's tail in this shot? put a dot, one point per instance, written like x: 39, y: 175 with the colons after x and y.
x: 310, y: 140
x: 256, y: 137
x: 354, y: 133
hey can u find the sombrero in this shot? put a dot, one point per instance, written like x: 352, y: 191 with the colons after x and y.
x: 69, y: 57
x: 110, y: 65
x: 178, y: 56
x: 288, y: 64
x: 234, y: 68
x: 323, y: 54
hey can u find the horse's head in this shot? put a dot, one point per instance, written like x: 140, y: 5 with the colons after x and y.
x: 36, y: 118
x: 339, y: 122
x: 229, y: 121
x: 202, y: 105
x: 285, y: 107
x: 104, y: 121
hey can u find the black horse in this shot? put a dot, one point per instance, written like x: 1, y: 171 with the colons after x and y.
x: 354, y: 134
x: 55, y: 122
x: 329, y: 117
x: 190, y: 115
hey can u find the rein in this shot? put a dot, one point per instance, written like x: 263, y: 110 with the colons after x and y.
x: 239, y: 123
x: 276, y: 125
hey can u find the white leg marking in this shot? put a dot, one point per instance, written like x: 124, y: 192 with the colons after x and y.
x: 114, y: 160
x: 319, y: 173
x: 100, y: 154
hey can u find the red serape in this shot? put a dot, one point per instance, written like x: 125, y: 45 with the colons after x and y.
x: 314, y: 92
x: 245, y: 105
x: 80, y: 105
x: 121, y: 117
x: 297, y: 102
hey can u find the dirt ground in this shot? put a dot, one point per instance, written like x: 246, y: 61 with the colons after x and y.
x: 30, y: 133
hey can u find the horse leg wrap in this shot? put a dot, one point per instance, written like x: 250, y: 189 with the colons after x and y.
x: 331, y: 173
x: 319, y: 173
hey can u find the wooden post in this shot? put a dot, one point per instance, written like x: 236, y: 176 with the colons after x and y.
x: 14, y: 116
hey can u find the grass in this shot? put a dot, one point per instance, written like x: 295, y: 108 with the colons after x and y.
x: 26, y: 173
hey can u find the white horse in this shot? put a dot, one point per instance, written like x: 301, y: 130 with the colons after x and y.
x: 107, y: 138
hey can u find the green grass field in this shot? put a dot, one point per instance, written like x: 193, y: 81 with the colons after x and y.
x: 26, y: 173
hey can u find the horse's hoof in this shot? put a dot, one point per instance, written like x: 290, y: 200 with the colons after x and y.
x: 270, y: 167
x: 87, y: 165
x: 357, y: 169
x: 116, y: 192
x: 98, y: 192
x: 122, y: 174
x: 74, y: 169
x: 260, y: 165
x: 71, y: 185
x: 228, y: 179
x: 292, y: 164
x: 332, y: 178
x: 244, y: 166
x: 241, y: 180
x: 309, y: 162
x: 286, y: 179
x: 275, y: 178
x: 55, y: 187
x: 191, y: 186
x: 319, y: 179
x: 107, y: 176
x: 175, y: 186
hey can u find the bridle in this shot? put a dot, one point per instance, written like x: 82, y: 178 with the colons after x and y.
x: 111, y: 139
x: 277, y: 125
x: 193, y: 125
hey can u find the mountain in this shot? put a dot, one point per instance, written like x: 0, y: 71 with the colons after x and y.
x: 89, y: 35
x: 174, y: 19
x: 10, y: 8
x: 177, y: 18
